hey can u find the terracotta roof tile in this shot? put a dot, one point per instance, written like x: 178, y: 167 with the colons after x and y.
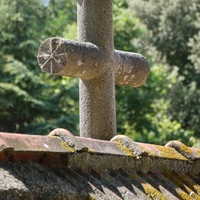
x: 63, y: 166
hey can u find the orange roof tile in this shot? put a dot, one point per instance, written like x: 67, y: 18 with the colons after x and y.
x: 63, y: 166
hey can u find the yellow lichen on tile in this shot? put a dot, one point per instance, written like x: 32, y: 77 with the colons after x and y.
x: 172, y: 177
x: 41, y: 149
x: 149, y: 153
x: 182, y: 190
x: 91, y: 150
x: 128, y: 151
x: 185, y: 148
x: 198, y: 152
x: 67, y: 147
x: 191, y: 187
x: 152, y: 192
x: 53, y: 136
x: 91, y: 197
x: 184, y: 195
x: 168, y: 152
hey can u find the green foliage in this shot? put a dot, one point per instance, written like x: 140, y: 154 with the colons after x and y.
x: 171, y: 24
x: 194, y: 55
x: 127, y: 29
x: 61, y: 15
x: 30, y: 101
x: 21, y: 24
x: 173, y: 28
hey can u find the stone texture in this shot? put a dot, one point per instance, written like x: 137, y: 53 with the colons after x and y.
x: 130, y: 145
x: 35, y: 181
x: 85, y: 60
x: 32, y: 181
x: 191, y: 154
x: 85, y: 168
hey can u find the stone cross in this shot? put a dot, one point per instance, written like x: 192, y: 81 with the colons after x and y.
x: 97, y: 65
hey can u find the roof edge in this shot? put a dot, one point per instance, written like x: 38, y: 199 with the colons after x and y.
x: 77, y: 152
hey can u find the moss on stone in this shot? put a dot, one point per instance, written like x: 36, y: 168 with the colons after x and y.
x: 182, y: 190
x: 67, y: 147
x: 185, y: 148
x: 184, y: 195
x: 168, y: 152
x: 128, y: 151
x: 198, y: 152
x: 151, y: 154
x: 191, y: 187
x: 53, y: 136
x: 41, y: 149
x: 91, y: 150
x: 152, y: 192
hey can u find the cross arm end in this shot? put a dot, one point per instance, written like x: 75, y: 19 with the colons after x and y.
x: 131, y: 69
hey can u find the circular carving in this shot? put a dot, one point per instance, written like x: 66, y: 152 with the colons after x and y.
x: 52, y: 55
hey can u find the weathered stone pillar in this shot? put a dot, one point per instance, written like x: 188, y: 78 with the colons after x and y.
x: 97, y: 96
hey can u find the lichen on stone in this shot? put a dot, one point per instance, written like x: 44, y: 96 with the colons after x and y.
x: 168, y: 152
x: 91, y: 150
x: 128, y: 151
x: 67, y: 147
x: 185, y: 148
x: 152, y: 192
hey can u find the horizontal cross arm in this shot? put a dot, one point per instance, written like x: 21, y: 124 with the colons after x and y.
x: 87, y: 61
x: 131, y: 69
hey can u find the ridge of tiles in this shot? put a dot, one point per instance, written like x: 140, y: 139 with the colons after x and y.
x: 120, y: 151
x: 63, y: 166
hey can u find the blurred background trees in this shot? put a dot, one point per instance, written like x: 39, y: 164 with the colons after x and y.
x: 31, y: 101
x: 174, y: 30
x: 166, y: 32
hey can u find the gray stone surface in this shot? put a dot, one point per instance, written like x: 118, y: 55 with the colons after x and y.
x: 32, y: 181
